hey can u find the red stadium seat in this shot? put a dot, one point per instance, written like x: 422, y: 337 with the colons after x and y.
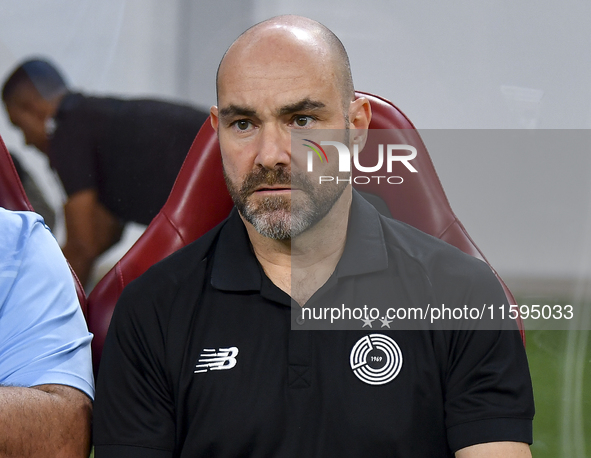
x: 12, y: 193
x: 13, y: 197
x: 421, y: 201
x: 199, y: 200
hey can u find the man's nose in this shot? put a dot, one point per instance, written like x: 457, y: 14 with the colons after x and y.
x: 274, y: 147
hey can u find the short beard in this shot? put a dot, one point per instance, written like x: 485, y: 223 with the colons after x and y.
x: 279, y: 217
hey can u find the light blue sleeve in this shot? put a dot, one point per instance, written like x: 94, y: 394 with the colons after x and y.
x: 43, y: 335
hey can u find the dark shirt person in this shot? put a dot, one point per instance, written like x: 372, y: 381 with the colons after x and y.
x: 201, y: 358
x: 117, y: 159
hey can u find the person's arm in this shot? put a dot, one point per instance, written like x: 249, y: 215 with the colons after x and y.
x: 46, y: 382
x: 91, y: 229
x: 44, y: 421
x: 496, y: 450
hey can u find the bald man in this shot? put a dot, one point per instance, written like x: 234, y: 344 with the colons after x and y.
x: 203, y: 357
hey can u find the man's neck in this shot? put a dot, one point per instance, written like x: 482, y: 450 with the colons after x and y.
x: 302, y: 265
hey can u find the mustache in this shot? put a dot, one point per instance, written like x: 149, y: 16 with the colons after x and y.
x: 262, y: 176
x: 276, y: 176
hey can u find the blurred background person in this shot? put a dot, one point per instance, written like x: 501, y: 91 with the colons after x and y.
x: 117, y: 159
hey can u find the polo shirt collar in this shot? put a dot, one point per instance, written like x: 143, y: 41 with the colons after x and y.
x: 236, y: 268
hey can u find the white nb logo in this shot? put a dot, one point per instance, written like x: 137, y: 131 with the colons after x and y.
x: 216, y: 360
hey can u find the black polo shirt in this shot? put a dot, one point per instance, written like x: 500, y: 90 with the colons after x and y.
x: 201, y: 360
x: 129, y: 151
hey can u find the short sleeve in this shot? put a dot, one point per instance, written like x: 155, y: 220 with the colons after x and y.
x: 134, y: 408
x: 43, y: 335
x: 489, y: 396
x: 488, y: 389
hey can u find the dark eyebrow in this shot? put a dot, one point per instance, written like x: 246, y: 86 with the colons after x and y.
x: 302, y: 105
x: 235, y: 110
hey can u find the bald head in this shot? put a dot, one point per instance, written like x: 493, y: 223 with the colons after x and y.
x: 298, y: 37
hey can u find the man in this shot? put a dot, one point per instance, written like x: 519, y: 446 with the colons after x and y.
x: 203, y: 358
x: 117, y: 159
x: 46, y: 382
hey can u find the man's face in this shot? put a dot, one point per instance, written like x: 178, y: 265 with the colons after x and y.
x: 29, y: 121
x: 264, y: 94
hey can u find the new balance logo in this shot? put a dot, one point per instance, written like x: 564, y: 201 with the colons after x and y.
x: 216, y: 360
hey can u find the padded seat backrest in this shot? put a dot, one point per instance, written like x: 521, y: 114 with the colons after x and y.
x: 12, y: 193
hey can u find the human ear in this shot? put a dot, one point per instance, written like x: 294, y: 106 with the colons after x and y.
x: 213, y: 113
x: 359, y: 113
x: 359, y: 119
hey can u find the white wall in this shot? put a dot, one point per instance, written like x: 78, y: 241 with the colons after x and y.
x: 452, y: 65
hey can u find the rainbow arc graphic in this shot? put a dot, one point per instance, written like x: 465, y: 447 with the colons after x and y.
x: 317, y: 149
